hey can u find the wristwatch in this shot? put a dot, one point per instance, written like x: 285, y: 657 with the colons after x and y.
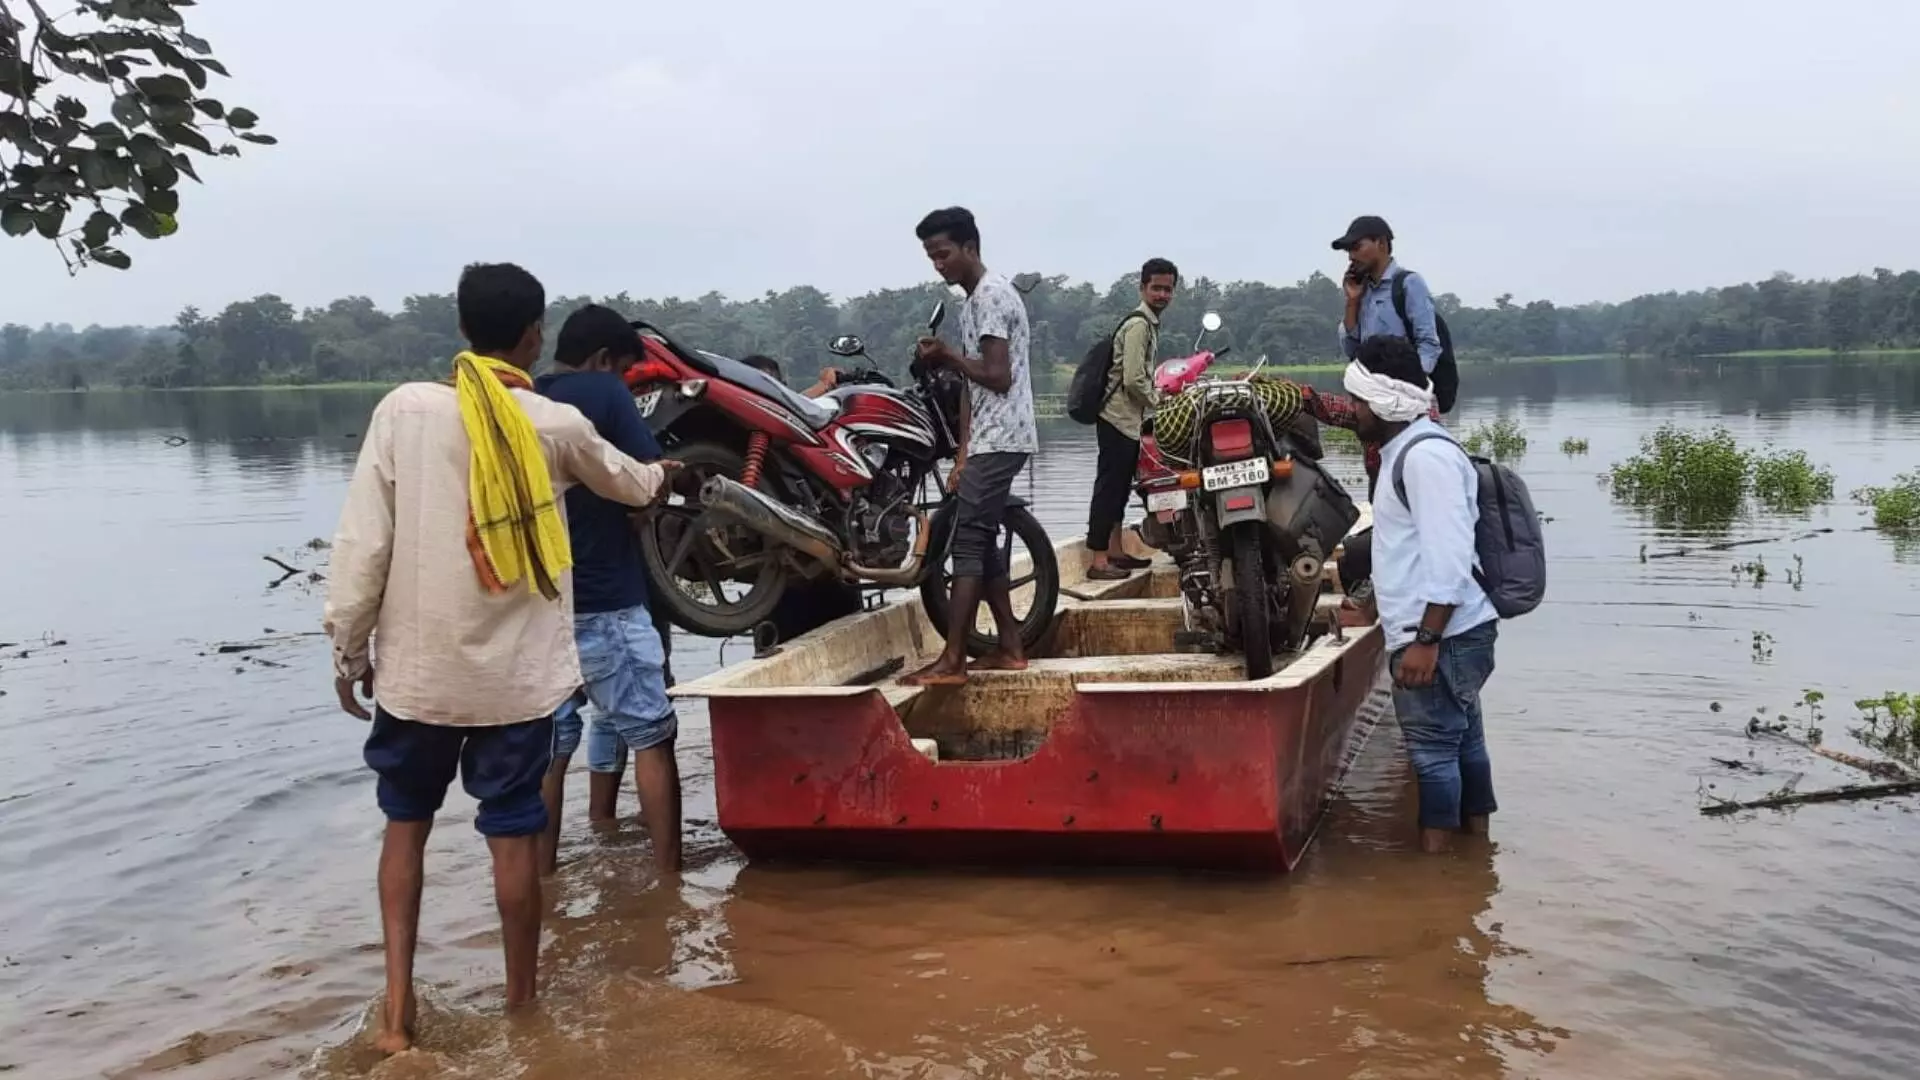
x: 1424, y: 636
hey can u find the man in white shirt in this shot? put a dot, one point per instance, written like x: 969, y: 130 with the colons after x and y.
x: 453, y: 554
x: 998, y: 434
x: 1439, y: 624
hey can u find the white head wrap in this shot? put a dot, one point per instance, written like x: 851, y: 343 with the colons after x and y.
x: 1391, y: 400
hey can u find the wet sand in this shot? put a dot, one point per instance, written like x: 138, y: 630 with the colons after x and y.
x: 190, y: 837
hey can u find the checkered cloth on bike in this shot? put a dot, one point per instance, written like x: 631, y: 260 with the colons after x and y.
x: 1178, y: 419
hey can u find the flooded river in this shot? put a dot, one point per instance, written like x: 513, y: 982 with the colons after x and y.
x: 189, y: 838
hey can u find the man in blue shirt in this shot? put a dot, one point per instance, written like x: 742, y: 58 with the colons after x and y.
x: 1439, y: 624
x: 1368, y: 243
x: 622, y: 656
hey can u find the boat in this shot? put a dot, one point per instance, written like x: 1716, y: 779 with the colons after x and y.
x: 1111, y: 749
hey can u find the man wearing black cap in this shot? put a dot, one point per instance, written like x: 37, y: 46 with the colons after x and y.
x: 1371, y: 270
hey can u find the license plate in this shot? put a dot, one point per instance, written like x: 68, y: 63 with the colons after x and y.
x: 1166, y: 500
x: 1235, y: 474
x: 647, y: 402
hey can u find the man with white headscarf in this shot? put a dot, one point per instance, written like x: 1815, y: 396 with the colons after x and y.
x: 1440, y: 626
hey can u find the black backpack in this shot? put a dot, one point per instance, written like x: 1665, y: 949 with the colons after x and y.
x: 1446, y: 376
x: 1087, y: 393
x: 1507, y: 538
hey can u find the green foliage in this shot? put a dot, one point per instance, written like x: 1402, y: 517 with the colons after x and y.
x: 1703, y: 478
x: 1683, y: 476
x: 1502, y: 440
x: 1290, y: 324
x: 1891, y: 726
x: 1896, y: 508
x: 1787, y: 482
x: 1571, y: 446
x: 84, y: 179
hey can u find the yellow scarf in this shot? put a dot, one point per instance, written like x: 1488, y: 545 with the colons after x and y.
x: 513, y: 527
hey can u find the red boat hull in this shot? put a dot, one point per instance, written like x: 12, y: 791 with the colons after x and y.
x: 1213, y: 776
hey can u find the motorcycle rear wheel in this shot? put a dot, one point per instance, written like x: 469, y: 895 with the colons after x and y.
x: 702, y: 565
x: 1250, y: 600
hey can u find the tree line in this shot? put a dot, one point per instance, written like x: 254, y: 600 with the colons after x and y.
x: 267, y: 341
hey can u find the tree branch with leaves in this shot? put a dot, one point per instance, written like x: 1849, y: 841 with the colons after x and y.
x: 135, y: 60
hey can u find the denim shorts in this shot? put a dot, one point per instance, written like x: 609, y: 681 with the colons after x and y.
x: 605, y: 752
x: 502, y: 767
x: 623, y: 662
x: 1445, y: 733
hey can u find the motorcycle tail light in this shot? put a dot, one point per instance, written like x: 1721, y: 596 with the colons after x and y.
x: 651, y: 370
x: 1231, y: 439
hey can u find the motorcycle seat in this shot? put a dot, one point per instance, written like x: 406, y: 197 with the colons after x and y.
x: 816, y: 413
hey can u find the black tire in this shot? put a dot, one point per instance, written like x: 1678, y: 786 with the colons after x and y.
x: 1250, y: 600
x: 936, y: 590
x: 660, y: 537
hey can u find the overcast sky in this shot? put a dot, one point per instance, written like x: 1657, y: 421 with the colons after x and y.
x: 1569, y: 151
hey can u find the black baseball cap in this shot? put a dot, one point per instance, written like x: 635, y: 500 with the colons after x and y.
x: 1363, y: 228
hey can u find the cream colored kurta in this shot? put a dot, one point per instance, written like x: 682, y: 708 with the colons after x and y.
x: 449, y: 652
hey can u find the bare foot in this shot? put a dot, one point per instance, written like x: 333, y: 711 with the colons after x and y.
x: 999, y: 660
x: 397, y: 1038
x: 390, y: 1043
x: 1475, y: 825
x: 1436, y: 841
x: 941, y: 672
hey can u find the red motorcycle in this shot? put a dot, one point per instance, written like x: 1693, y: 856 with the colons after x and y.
x: 779, y: 488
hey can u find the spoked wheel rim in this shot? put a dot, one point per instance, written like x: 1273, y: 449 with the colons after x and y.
x: 721, y: 569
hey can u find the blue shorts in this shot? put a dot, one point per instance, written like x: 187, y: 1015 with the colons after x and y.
x: 1445, y: 732
x: 605, y: 752
x: 623, y: 662
x: 502, y: 767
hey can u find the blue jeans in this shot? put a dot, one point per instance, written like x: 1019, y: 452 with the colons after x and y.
x: 1446, y: 739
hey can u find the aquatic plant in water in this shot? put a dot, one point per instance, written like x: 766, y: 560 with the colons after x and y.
x: 1338, y: 437
x: 1786, y: 481
x: 1895, y: 508
x: 1685, y: 476
x: 1501, y: 440
x: 1891, y: 727
x: 1571, y: 446
x: 1699, y: 478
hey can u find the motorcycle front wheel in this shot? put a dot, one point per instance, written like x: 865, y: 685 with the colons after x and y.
x: 1042, y: 575
x: 1250, y: 600
x: 690, y: 568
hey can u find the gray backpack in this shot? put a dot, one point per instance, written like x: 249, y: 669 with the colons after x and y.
x: 1507, y: 537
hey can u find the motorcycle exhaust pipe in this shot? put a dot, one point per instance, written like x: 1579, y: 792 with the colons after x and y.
x: 1306, y: 569
x: 735, y: 503
x: 1303, y: 596
x: 908, y: 573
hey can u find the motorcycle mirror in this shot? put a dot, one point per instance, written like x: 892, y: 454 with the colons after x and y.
x: 934, y: 320
x: 1210, y: 321
x: 846, y: 345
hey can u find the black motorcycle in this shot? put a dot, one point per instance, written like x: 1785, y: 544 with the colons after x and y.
x: 1256, y: 517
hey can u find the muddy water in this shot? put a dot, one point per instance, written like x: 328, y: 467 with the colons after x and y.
x: 188, y: 838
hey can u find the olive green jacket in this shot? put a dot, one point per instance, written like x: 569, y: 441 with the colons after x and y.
x: 1130, y: 383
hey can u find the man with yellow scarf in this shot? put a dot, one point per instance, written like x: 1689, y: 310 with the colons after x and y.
x: 452, y: 553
